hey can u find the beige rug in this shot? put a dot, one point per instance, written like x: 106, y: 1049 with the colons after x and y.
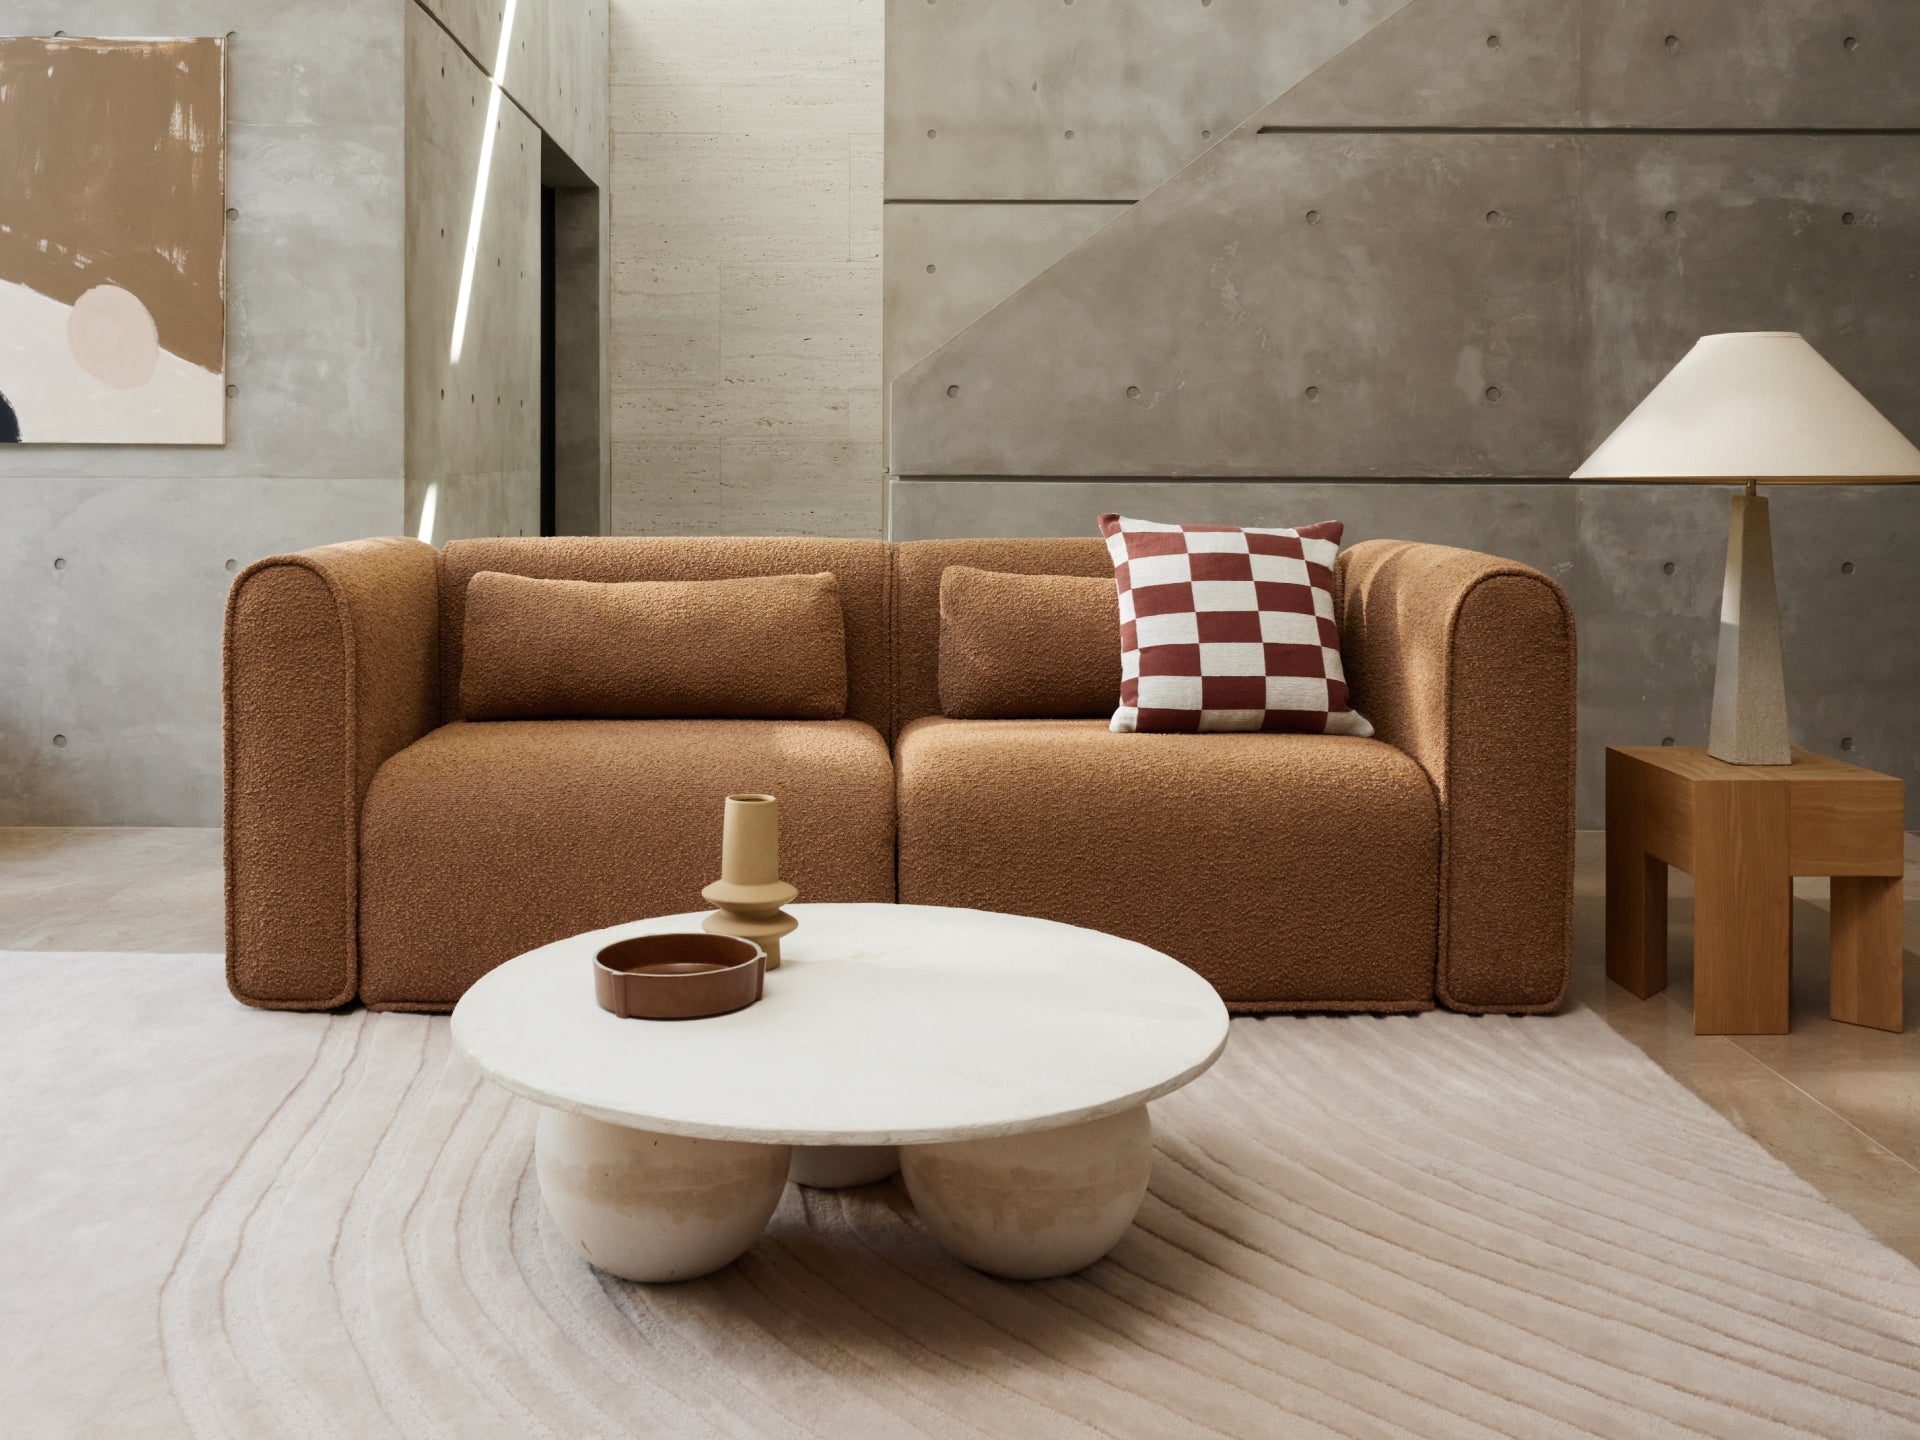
x: 224, y: 1222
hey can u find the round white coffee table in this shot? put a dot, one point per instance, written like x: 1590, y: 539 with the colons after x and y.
x: 1003, y: 1064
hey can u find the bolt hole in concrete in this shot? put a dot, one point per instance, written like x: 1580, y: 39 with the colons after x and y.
x: 232, y: 214
x: 1069, y: 134
x: 59, y: 562
x: 1846, y: 742
x: 1667, y: 569
x: 60, y: 742
x: 232, y: 565
x: 1846, y: 567
x: 1494, y: 217
x: 953, y: 392
x: 932, y: 133
x: 1666, y: 740
x: 1493, y: 42
x: 930, y: 269
x: 1671, y: 216
x: 1851, y: 43
x: 1846, y: 217
x: 1133, y: 392
x: 1313, y: 217
x: 1313, y: 392
x: 1493, y: 393
x: 1672, y: 42
x: 233, y: 392
x: 1206, y: 134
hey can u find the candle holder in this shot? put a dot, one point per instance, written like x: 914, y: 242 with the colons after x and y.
x: 749, y: 893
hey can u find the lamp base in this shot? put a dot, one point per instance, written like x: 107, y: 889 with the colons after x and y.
x: 1749, y: 686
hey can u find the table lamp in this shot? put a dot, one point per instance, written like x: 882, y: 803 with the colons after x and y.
x: 1741, y: 408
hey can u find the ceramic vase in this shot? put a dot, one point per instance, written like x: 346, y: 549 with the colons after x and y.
x: 749, y: 893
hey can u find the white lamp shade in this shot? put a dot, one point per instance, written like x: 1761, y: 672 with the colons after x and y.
x: 1754, y: 405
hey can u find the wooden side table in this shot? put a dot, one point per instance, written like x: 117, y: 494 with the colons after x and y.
x: 1743, y: 832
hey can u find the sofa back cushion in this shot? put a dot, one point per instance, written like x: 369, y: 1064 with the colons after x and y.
x: 860, y: 568
x: 763, y: 647
x: 1019, y: 647
x: 918, y: 567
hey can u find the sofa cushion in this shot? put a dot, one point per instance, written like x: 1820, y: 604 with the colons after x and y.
x: 1295, y: 872
x: 1023, y: 646
x: 758, y: 647
x: 484, y: 840
x: 864, y: 569
x: 1228, y: 628
x: 919, y: 569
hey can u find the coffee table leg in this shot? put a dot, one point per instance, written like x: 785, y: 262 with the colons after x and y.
x: 837, y: 1167
x: 1029, y: 1206
x: 645, y: 1206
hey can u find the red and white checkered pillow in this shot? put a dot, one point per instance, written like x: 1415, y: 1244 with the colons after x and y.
x: 1226, y: 628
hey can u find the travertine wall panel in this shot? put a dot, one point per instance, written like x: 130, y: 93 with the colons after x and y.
x: 745, y: 193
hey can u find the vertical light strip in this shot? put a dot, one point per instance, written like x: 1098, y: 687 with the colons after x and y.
x: 480, y: 179
x: 428, y: 506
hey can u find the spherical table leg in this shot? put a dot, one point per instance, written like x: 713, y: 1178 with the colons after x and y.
x: 645, y: 1206
x: 1029, y: 1206
x: 836, y: 1167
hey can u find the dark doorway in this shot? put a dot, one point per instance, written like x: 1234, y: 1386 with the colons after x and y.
x: 574, y: 498
x: 549, y: 440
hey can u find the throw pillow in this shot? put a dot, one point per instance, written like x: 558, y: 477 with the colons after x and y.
x: 764, y: 647
x: 1228, y: 628
x: 1015, y: 647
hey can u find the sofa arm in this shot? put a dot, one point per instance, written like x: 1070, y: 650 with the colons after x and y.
x: 1467, y: 664
x: 331, y: 665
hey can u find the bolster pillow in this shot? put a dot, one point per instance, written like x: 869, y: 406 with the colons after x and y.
x: 1018, y: 647
x: 766, y: 647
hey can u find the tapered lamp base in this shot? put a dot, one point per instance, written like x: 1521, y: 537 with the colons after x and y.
x: 1749, y: 687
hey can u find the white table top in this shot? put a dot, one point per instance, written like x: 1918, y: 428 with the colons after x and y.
x: 884, y: 1025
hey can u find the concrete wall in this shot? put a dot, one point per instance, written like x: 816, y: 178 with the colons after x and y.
x: 1460, y: 251
x: 473, y: 297
x: 746, y: 186
x: 115, y: 560
x: 473, y: 319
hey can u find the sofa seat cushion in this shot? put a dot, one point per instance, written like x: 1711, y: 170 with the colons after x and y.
x: 486, y: 839
x: 1295, y: 872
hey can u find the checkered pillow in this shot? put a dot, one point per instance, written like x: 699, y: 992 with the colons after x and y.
x: 1224, y: 628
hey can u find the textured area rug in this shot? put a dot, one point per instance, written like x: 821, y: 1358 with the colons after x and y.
x: 226, y: 1222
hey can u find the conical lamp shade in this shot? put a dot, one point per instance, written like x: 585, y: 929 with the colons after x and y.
x: 1754, y: 405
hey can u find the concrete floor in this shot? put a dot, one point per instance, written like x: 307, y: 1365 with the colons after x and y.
x: 1839, y: 1104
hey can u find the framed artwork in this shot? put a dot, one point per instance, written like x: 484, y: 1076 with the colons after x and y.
x: 113, y: 241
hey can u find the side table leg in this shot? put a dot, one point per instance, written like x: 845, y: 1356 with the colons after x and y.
x: 1636, y: 909
x: 1867, y: 915
x: 1026, y: 1207
x: 1742, y: 910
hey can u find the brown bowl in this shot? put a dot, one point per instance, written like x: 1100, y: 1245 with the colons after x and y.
x: 678, y: 977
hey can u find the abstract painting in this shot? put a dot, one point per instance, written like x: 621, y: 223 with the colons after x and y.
x: 113, y: 241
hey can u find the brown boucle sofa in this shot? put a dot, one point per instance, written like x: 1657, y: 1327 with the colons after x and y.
x: 380, y: 848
